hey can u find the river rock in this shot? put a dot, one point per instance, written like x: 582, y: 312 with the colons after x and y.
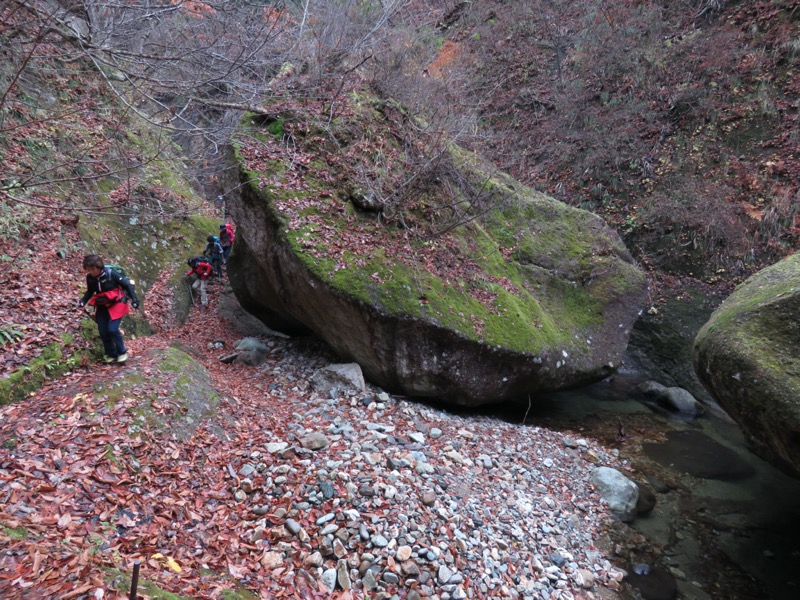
x: 251, y: 344
x: 679, y: 399
x: 616, y: 490
x: 250, y: 358
x: 673, y: 398
x: 345, y: 378
x: 646, y: 500
x: 748, y: 356
x: 531, y: 296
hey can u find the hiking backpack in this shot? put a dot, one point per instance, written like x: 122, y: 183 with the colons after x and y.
x: 214, y: 248
x: 227, y: 234
x: 119, y: 270
x: 198, y: 260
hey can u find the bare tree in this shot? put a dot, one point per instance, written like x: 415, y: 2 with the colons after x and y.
x: 192, y: 68
x: 188, y: 67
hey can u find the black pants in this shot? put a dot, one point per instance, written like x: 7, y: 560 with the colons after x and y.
x: 216, y: 263
x: 109, y: 333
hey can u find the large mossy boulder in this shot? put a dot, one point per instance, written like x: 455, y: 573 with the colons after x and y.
x: 748, y: 356
x: 525, y: 295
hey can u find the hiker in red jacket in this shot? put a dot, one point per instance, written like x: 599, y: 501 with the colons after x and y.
x: 226, y: 240
x: 202, y: 269
x: 108, y: 292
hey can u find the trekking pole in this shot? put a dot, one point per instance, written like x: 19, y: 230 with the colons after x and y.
x: 191, y: 291
x: 134, y: 580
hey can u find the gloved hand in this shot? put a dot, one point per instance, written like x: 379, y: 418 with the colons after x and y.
x: 80, y: 304
x: 135, y: 304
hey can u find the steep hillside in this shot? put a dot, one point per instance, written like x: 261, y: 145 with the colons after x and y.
x: 676, y: 122
x: 80, y: 172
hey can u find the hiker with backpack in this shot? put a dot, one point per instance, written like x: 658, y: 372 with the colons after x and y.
x: 108, y: 292
x: 213, y: 251
x: 226, y: 240
x: 200, y: 267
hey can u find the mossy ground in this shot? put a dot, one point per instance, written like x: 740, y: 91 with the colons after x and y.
x: 57, y: 358
x: 133, y: 202
x: 17, y: 533
x: 146, y: 248
x: 173, y: 401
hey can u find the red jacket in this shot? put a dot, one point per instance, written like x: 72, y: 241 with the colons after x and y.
x: 111, y: 300
x: 201, y: 269
x: 226, y: 235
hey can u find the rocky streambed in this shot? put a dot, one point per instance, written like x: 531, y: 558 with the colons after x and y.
x: 724, y: 524
x: 511, y: 484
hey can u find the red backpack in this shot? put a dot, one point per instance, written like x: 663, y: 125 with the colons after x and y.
x: 229, y: 232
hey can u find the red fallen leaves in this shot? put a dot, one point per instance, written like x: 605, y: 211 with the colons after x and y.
x: 85, y: 488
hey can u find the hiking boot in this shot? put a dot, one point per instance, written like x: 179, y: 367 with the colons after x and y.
x: 109, y: 360
x: 122, y: 358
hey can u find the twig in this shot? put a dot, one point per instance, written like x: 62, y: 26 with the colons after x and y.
x: 527, y: 411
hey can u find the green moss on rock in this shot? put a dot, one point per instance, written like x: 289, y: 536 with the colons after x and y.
x: 56, y: 359
x: 748, y: 356
x: 470, y: 269
x: 184, y: 398
x: 549, y: 240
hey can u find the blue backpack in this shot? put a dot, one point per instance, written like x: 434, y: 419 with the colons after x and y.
x: 213, y: 248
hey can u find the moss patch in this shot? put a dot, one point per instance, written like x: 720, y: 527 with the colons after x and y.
x: 16, y: 533
x: 768, y: 286
x: 425, y: 265
x: 748, y: 356
x: 173, y: 401
x: 55, y: 360
x: 537, y: 270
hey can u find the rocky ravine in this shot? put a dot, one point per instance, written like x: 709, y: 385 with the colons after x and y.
x: 284, y: 486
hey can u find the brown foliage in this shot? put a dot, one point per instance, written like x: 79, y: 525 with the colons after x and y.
x: 658, y: 118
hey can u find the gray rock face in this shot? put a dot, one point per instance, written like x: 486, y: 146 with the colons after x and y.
x: 748, y: 356
x: 332, y: 379
x: 554, y: 313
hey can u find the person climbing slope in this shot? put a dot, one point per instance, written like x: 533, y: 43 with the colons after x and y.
x: 213, y: 250
x: 202, y: 269
x: 226, y: 240
x: 108, y: 292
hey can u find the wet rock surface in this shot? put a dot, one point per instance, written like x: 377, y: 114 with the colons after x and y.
x: 715, y: 538
x: 695, y: 453
x: 653, y: 583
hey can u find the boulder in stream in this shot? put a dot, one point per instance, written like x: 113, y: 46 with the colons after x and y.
x: 748, y: 356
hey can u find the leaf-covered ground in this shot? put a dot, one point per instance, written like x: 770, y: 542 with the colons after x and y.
x: 84, y: 484
x: 95, y: 474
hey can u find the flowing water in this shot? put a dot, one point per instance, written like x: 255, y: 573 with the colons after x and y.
x: 726, y: 525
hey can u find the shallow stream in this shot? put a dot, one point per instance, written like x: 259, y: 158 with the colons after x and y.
x: 726, y: 524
